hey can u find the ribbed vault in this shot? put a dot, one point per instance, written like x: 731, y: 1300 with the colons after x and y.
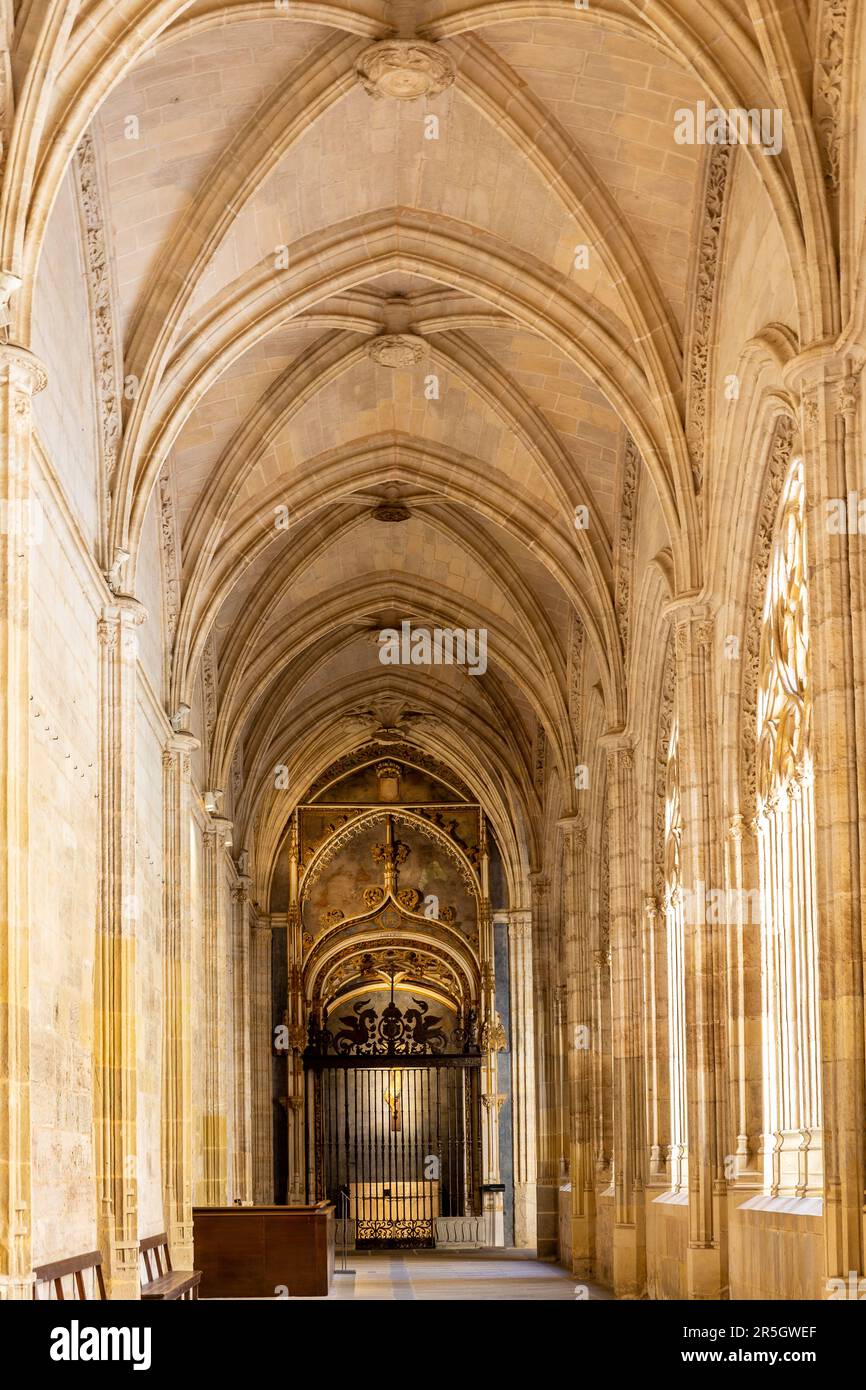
x: 269, y: 221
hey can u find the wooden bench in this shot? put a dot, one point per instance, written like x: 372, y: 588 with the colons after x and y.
x: 76, y: 1266
x: 165, y: 1282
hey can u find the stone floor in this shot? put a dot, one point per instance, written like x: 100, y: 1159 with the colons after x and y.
x: 421, y: 1275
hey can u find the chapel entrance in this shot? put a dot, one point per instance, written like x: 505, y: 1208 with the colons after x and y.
x: 393, y: 1130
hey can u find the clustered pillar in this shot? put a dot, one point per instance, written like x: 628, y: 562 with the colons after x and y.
x: 20, y: 376
x: 115, y: 966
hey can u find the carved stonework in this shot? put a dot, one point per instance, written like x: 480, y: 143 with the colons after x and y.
x: 493, y: 1102
x: 781, y: 454
x: 106, y: 634
x: 709, y: 248
x: 114, y: 574
x: 404, y: 69
x: 604, y: 889
x: 519, y: 927
x: 170, y: 560
x: 402, y: 752
x: 396, y: 350
x: 209, y: 687
x: 493, y: 1037
x: 575, y: 676
x: 673, y: 830
x: 105, y: 346
x: 414, y: 821
x: 330, y: 917
x: 783, y: 755
x: 391, y: 513
x: 7, y: 101
x: 237, y: 774
x: 663, y: 741
x: 809, y: 407
x: 625, y: 540
x: 539, y: 759
x: 827, y: 94
x: 408, y: 966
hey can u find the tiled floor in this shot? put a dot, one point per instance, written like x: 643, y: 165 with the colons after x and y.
x: 420, y: 1275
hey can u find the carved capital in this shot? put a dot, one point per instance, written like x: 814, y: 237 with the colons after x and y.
x: 493, y: 1038
x: 540, y: 886
x: 493, y: 1101
x: 121, y: 616
x: 181, y: 743
x: 21, y: 370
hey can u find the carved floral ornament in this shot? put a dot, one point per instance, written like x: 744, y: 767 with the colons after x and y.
x: 827, y: 96
x: 784, y: 713
x: 493, y: 1036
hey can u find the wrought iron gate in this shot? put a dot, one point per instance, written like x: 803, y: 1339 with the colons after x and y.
x: 398, y: 1136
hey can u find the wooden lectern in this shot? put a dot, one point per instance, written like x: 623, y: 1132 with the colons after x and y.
x: 264, y: 1252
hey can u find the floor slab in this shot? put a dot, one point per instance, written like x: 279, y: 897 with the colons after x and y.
x: 425, y: 1275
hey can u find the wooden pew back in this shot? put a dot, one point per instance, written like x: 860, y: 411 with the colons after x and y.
x: 73, y: 1270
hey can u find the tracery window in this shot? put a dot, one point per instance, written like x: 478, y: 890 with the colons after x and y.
x: 786, y: 847
x: 675, y: 937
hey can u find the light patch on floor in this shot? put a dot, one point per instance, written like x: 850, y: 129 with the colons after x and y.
x: 420, y: 1276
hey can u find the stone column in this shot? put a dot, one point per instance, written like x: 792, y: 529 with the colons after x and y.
x: 745, y: 1059
x: 629, y: 1144
x: 242, y: 1155
x: 177, y: 1150
x: 115, y: 1003
x: 704, y: 956
x: 20, y: 376
x: 492, y: 1100
x: 213, y: 1187
x: 581, y: 1045
x: 655, y: 1039
x: 260, y: 1054
x: 296, y: 1018
x: 547, y: 1161
x: 523, y: 1118
x: 832, y: 465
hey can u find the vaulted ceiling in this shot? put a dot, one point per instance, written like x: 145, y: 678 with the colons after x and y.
x: 533, y: 246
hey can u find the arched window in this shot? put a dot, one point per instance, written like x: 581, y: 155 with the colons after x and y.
x: 786, y: 836
x: 675, y: 937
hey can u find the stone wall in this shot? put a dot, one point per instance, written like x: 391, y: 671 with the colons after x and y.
x: 64, y: 876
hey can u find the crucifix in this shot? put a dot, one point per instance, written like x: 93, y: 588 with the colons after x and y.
x: 391, y: 1094
x: 393, y: 1099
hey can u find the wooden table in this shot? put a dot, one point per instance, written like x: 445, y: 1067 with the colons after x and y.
x: 264, y: 1252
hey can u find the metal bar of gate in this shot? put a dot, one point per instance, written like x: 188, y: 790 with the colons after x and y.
x: 439, y: 1166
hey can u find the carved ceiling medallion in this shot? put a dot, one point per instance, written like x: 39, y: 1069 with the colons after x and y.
x: 391, y: 512
x: 404, y: 69
x: 396, y: 349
